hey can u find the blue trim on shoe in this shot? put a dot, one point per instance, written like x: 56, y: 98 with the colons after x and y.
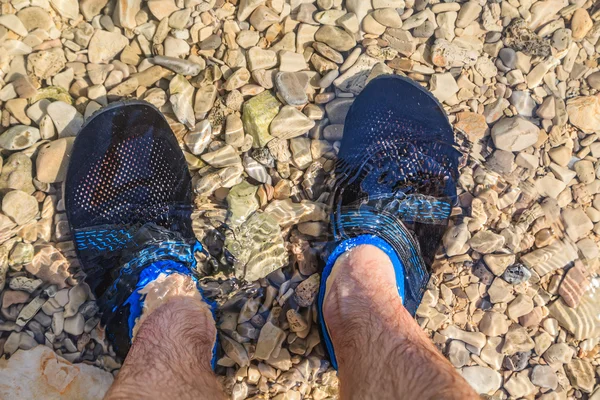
x: 149, y: 274
x: 341, y: 248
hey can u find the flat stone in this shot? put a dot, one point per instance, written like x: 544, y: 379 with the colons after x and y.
x: 290, y: 123
x: 181, y: 99
x: 355, y: 78
x: 519, y: 385
x: 458, y: 354
x: 50, y: 265
x: 234, y: 131
x: 199, y: 138
x: 261, y: 59
x: 581, y: 23
x: 177, y: 65
x: 544, y: 376
x: 162, y: 8
x: 482, y: 379
x: 581, y: 375
x: 269, y: 341
x: 578, y: 225
x: 258, y: 113
x: 11, y: 297
x: 471, y: 124
x: 242, y: 202
x: 238, y: 79
x: 468, y: 13
x: 175, y: 47
x: 53, y: 159
x: 290, y: 89
x: 19, y: 137
x: 443, y: 86
x: 517, y: 339
x: 574, y: 285
x: 486, y: 242
x: 401, y: 41
x: 521, y: 305
x: 19, y: 206
x: 257, y: 246
x: 335, y: 38
x: 104, y: 46
x: 514, y: 134
x: 235, y: 351
x: 225, y: 156
x: 74, y: 325
x: 66, y: 8
x: 39, y: 370
x: 497, y: 263
x: 67, y: 120
x: 25, y: 284
x: 447, y: 54
x: 494, y: 324
x: 584, y: 112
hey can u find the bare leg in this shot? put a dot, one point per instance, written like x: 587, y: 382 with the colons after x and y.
x: 171, y: 354
x: 382, y: 352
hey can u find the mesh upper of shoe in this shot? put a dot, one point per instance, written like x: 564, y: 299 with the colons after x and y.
x: 396, y: 174
x: 126, y: 170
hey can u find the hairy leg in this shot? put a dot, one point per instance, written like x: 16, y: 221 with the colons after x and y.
x: 382, y: 352
x: 172, y: 349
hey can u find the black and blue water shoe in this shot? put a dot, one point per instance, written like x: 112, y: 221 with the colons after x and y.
x: 395, y: 183
x: 128, y: 198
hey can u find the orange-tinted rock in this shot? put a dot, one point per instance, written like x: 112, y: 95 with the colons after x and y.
x: 471, y: 124
x: 575, y: 284
x: 41, y: 374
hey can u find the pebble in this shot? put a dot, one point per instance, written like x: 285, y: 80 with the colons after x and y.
x: 19, y: 206
x: 177, y: 65
x: 574, y: 285
x: 519, y: 385
x: 475, y: 339
x: 516, y: 274
x: 521, y: 305
x: 458, y: 354
x: 581, y: 23
x: 19, y: 137
x: 581, y: 375
x: 290, y: 123
x: 225, y: 156
x: 53, y: 159
x: 269, y: 342
x: 584, y: 112
x: 494, y: 324
x: 514, y: 134
x: 482, y: 379
x: 306, y: 291
x: 290, y: 89
x: 517, y: 340
x: 486, y: 242
x: 181, y: 99
x: 74, y: 325
x: 197, y: 140
x: 543, y: 376
x: 67, y: 120
x: 257, y: 116
x: 443, y: 86
x: 335, y: 38
x: 106, y: 45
